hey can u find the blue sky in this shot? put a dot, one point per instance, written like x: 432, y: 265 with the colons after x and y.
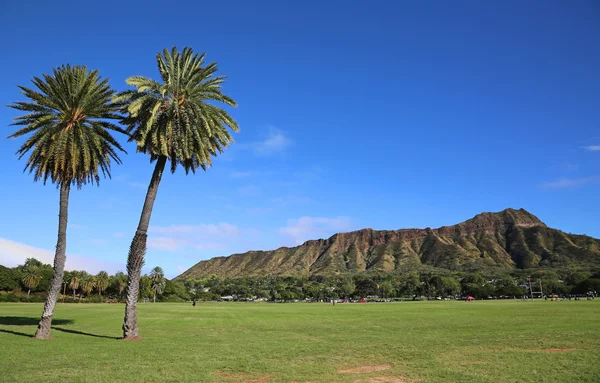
x: 393, y: 115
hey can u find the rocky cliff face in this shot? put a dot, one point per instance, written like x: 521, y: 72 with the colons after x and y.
x: 509, y: 239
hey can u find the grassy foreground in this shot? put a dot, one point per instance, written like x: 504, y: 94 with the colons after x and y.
x: 495, y: 341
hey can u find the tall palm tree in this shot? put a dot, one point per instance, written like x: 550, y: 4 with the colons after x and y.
x: 157, y: 276
x: 32, y: 276
x: 101, y: 281
x: 173, y: 120
x: 68, y: 116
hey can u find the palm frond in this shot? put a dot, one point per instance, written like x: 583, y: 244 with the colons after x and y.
x: 177, y: 118
x: 68, y: 120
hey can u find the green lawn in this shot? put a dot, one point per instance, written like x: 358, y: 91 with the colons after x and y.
x: 495, y: 341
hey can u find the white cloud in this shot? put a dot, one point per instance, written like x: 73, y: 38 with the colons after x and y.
x: 242, y: 174
x: 305, y: 228
x: 250, y: 191
x: 14, y: 253
x: 203, y: 229
x: 570, y: 182
x: 291, y: 200
x: 119, y: 234
x: 275, y: 143
x: 197, y: 237
x: 137, y: 185
x: 569, y: 167
x: 592, y: 148
x: 165, y: 243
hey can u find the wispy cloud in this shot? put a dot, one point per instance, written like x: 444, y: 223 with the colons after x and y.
x: 563, y: 183
x: 291, y: 200
x: 14, y: 253
x: 242, y: 174
x: 119, y: 234
x: 305, y: 228
x: 275, y: 143
x: 196, y: 237
x: 203, y: 229
x: 250, y: 173
x: 569, y: 167
x: 250, y: 191
x: 137, y: 185
x: 592, y: 148
x: 78, y: 227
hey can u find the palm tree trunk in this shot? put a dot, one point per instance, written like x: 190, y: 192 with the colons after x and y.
x: 60, y: 257
x: 154, y: 298
x: 28, y: 292
x: 137, y: 250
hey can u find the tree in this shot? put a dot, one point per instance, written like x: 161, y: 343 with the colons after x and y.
x: 348, y: 288
x: 101, y: 281
x: 9, y: 278
x: 173, y: 120
x: 387, y: 290
x: 31, y: 277
x: 68, y: 117
x: 88, y: 283
x: 158, y: 281
x: 75, y: 281
x: 120, y: 282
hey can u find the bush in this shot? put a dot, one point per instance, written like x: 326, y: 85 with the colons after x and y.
x: 9, y: 297
x: 171, y: 298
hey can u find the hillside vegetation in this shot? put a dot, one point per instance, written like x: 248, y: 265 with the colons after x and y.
x: 510, y: 239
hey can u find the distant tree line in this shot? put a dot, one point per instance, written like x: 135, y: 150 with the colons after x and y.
x: 28, y: 282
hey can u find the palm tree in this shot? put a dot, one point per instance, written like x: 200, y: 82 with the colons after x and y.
x: 32, y: 276
x: 172, y: 121
x: 120, y: 281
x: 70, y: 144
x: 101, y: 281
x: 75, y: 281
x: 157, y: 276
x: 88, y: 282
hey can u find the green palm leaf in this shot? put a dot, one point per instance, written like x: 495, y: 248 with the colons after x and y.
x: 68, y: 115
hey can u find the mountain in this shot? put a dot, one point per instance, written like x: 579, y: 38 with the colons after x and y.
x: 507, y: 239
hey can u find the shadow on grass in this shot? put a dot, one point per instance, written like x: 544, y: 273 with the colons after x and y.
x: 16, y: 333
x: 28, y: 321
x: 77, y: 332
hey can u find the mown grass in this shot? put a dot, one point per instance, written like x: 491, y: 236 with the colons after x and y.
x: 495, y: 341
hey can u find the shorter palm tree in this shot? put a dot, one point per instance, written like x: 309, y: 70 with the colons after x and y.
x: 75, y: 281
x: 88, y: 283
x: 157, y: 276
x: 120, y: 282
x: 101, y: 282
x: 32, y: 276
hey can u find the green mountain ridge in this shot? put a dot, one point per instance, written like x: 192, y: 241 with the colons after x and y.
x: 508, y: 239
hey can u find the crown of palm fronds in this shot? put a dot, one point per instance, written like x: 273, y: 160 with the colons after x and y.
x: 173, y: 118
x: 68, y: 116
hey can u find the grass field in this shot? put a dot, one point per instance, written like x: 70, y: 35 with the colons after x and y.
x: 495, y: 341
